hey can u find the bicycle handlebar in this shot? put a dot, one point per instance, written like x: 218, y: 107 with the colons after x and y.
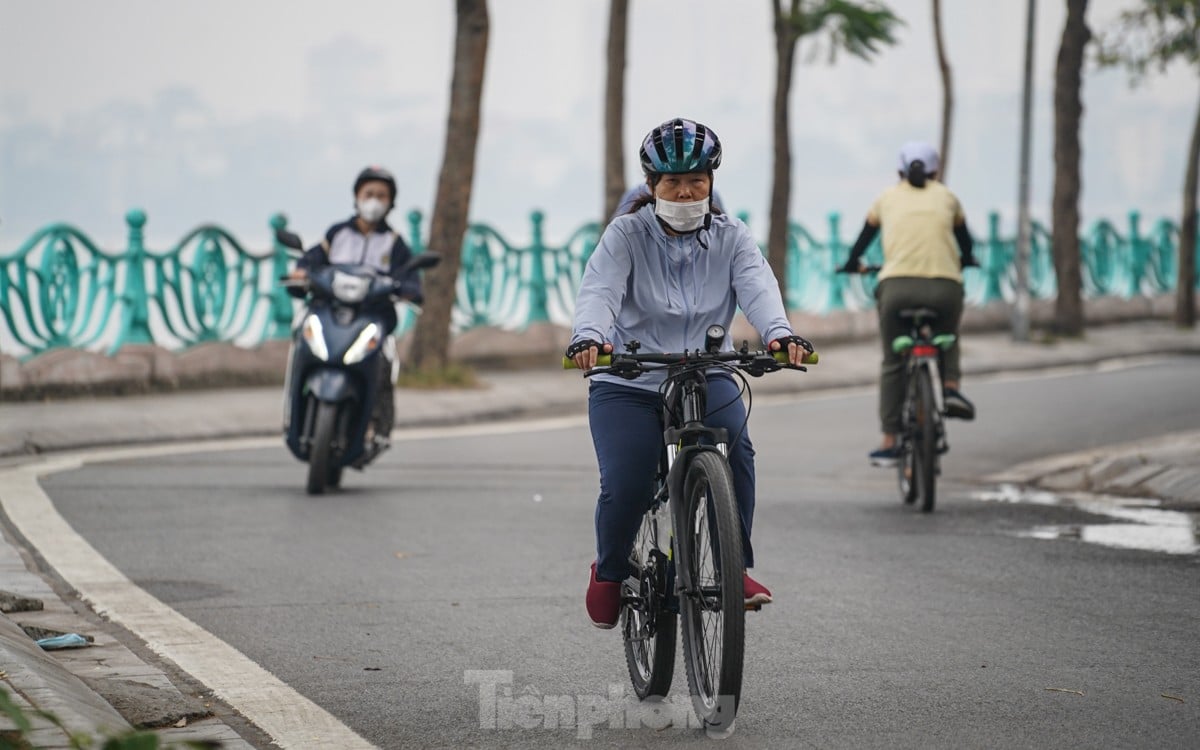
x: 696, y: 357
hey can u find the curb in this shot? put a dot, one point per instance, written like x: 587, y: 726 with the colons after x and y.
x: 1138, y: 469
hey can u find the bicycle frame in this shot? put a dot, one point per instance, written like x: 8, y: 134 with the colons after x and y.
x: 684, y: 435
x: 926, y: 355
x: 676, y: 570
x: 683, y: 439
x: 924, y: 350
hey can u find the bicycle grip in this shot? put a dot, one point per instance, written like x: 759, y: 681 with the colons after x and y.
x: 604, y: 360
x: 809, y: 359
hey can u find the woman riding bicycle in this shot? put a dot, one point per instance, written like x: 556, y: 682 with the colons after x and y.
x: 924, y: 233
x: 661, y: 274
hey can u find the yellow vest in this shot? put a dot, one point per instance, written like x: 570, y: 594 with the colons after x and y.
x: 917, y: 225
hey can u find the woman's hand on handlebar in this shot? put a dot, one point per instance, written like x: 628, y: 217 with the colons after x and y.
x: 586, y: 352
x: 797, y: 349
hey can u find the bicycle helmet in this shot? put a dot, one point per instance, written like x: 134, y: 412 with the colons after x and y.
x: 373, y: 173
x: 680, y: 146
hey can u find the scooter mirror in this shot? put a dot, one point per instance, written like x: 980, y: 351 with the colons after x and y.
x: 422, y: 261
x: 288, y: 239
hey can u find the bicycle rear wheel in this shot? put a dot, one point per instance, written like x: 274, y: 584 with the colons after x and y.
x: 648, y: 626
x: 713, y: 608
x: 906, y: 467
x: 925, y: 446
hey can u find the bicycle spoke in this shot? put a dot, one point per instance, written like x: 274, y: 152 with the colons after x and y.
x: 649, y: 629
x: 639, y: 617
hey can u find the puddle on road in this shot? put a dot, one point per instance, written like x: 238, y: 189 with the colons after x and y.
x: 1137, y: 523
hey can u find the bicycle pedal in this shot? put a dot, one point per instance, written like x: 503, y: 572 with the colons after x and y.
x: 753, y: 607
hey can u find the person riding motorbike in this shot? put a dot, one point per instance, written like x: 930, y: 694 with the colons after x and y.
x: 661, y: 274
x: 366, y: 239
x: 926, y: 244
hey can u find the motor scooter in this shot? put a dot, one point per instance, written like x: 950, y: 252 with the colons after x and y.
x: 338, y: 355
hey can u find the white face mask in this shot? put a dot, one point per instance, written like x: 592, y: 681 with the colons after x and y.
x: 682, y: 217
x: 372, y: 210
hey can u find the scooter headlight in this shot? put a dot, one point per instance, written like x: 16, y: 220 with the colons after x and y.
x: 314, y: 336
x: 367, y: 342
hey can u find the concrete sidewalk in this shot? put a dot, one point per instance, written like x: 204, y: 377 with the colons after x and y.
x: 30, y: 428
x: 1167, y: 468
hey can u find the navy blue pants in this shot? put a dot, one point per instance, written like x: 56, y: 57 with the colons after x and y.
x: 627, y: 431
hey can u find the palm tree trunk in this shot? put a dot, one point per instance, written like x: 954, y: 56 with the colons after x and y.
x: 614, y: 108
x: 947, y: 89
x: 1185, y: 287
x: 1068, y: 113
x: 431, y: 340
x: 781, y: 179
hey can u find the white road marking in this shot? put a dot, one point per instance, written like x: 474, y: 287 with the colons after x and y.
x: 290, y: 719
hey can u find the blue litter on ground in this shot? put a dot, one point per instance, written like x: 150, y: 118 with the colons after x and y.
x: 66, y: 640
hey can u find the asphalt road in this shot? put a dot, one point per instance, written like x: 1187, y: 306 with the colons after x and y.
x: 460, y: 559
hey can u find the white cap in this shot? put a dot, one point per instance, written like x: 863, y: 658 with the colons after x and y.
x: 919, y: 151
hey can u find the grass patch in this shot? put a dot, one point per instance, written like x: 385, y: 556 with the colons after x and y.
x: 451, y: 376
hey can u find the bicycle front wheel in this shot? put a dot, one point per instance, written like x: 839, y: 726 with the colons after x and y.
x: 713, y: 602
x: 648, y: 625
x: 925, y: 446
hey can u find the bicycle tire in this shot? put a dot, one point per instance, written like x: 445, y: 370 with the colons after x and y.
x: 715, y: 600
x: 906, y: 467
x: 926, y: 442
x: 649, y: 633
x: 321, y: 447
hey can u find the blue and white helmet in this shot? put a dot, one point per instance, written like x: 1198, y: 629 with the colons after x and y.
x: 680, y: 146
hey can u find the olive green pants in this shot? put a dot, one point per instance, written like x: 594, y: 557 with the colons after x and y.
x: 944, y: 296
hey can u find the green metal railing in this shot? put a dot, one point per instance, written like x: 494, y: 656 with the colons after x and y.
x: 59, y: 289
x: 1114, y: 264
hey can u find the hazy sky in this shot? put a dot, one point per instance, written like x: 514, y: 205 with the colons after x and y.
x: 226, y: 112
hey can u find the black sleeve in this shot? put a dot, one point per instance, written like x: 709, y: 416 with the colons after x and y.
x: 317, y: 256
x: 408, y: 284
x: 966, y: 244
x: 865, y: 237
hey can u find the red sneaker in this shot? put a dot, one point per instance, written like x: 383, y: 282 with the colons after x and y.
x: 604, y: 601
x: 756, y: 593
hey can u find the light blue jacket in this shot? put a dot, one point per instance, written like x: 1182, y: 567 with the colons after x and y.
x: 664, y: 291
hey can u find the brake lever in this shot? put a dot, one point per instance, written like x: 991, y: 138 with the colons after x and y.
x: 761, y: 364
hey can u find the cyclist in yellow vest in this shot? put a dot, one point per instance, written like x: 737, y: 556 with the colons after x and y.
x: 926, y: 245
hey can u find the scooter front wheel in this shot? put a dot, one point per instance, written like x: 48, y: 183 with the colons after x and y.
x: 321, y: 448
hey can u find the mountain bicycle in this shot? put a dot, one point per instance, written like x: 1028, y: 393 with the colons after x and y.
x: 922, y: 437
x: 922, y: 417
x: 687, y: 560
